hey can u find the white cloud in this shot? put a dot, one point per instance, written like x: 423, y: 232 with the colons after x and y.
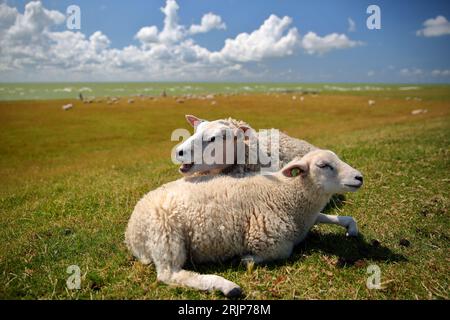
x: 351, y: 25
x: 408, y: 72
x: 441, y: 73
x: 172, y: 31
x: 435, y: 27
x: 370, y: 73
x: 209, y: 22
x: 31, y: 49
x: 147, y: 34
x: 99, y: 41
x: 314, y: 44
x: 31, y: 26
x: 35, y: 19
x: 7, y: 16
x: 27, y: 42
x: 270, y: 40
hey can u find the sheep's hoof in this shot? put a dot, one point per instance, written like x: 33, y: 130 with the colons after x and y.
x: 352, y: 230
x: 352, y: 233
x: 234, y: 293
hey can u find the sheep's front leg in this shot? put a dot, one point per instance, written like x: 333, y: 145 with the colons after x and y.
x: 344, y: 221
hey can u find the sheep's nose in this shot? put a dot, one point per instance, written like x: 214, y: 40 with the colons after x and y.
x: 180, y: 153
x: 359, y: 178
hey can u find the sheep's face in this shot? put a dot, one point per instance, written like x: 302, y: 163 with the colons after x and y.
x: 211, y: 149
x: 325, y: 170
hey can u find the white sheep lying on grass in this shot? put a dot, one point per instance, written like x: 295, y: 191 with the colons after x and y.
x: 67, y: 107
x: 213, y: 218
x: 289, y: 148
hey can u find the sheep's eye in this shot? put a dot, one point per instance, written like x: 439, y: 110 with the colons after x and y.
x: 325, y: 166
x: 295, y: 172
x: 212, y: 139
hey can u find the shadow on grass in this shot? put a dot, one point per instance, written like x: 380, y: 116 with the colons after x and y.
x: 350, y: 251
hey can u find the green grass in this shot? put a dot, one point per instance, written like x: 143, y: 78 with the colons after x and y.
x: 43, y: 91
x: 70, y: 181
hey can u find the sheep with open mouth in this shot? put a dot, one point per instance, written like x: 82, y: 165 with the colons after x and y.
x: 207, y: 133
x: 213, y: 218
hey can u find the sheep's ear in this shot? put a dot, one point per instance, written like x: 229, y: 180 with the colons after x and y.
x: 243, y: 129
x: 193, y: 120
x: 297, y: 169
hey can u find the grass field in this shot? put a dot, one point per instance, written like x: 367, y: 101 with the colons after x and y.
x: 49, y: 91
x: 70, y: 180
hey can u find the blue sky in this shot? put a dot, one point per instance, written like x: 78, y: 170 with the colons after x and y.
x: 396, y: 53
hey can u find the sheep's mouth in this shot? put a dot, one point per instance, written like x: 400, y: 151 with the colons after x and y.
x: 185, y: 167
x: 353, y: 186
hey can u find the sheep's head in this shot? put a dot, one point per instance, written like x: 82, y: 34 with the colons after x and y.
x: 326, y: 171
x: 212, y: 147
